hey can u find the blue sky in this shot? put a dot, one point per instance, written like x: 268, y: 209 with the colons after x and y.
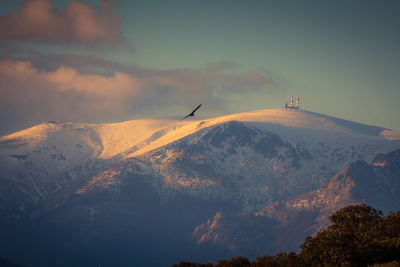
x: 341, y: 57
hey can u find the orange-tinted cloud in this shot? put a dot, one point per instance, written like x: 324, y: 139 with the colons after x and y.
x: 78, y: 23
x: 104, y: 91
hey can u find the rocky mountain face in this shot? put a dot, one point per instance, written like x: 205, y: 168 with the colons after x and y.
x: 376, y: 184
x: 155, y: 192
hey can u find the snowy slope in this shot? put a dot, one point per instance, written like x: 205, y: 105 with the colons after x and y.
x: 133, y: 138
x: 46, y: 158
x: 252, y: 163
x: 304, y: 122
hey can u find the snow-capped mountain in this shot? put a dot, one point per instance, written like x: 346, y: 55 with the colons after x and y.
x: 75, y: 178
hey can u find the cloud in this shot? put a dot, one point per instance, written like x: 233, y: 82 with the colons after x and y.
x: 30, y: 94
x: 22, y: 80
x: 80, y: 23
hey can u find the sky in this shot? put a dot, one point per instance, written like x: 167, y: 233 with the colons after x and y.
x: 105, y: 61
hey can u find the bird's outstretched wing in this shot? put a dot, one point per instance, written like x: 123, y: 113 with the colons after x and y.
x: 195, y: 109
x: 191, y: 113
x: 184, y: 117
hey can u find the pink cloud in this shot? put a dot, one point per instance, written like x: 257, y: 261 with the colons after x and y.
x: 78, y: 23
x: 108, y: 91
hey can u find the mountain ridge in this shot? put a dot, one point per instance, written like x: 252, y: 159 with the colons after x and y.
x: 283, y: 117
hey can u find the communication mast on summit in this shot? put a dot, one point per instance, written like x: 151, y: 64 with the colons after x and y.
x: 292, y: 105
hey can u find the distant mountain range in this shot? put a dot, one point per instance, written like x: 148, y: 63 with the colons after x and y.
x: 158, y: 191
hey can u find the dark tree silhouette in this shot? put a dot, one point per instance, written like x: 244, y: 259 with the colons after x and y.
x: 358, y: 236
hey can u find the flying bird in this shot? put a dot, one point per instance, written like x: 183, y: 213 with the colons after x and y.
x: 192, y: 113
